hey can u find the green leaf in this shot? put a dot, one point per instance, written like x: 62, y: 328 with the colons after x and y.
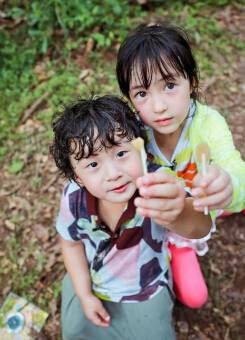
x: 16, y: 166
x: 44, y: 46
x: 3, y: 151
x: 117, y: 9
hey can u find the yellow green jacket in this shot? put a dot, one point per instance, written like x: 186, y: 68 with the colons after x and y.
x: 204, y: 125
x: 209, y: 126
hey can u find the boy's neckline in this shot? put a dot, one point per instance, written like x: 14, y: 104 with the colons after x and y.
x: 111, y: 214
x: 93, y: 210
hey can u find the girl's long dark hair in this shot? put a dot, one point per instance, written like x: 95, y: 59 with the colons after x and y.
x: 164, y: 48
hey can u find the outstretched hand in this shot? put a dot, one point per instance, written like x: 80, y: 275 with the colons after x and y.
x: 213, y: 190
x: 95, y: 311
x: 162, y: 197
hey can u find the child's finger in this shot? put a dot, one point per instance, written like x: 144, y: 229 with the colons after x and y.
x: 100, y: 317
x: 99, y: 321
x: 155, y: 177
x: 204, y: 181
x: 198, y: 192
x: 200, y: 181
x: 218, y: 185
x: 166, y: 190
x: 220, y: 205
x: 213, y: 201
x: 158, y: 204
x: 161, y: 217
x: 196, y: 182
x: 104, y: 315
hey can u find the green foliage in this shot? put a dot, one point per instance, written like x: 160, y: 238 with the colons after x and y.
x: 208, y: 36
x: 16, y: 166
x: 3, y: 151
x: 45, y: 19
x: 53, y: 28
x: 56, y: 288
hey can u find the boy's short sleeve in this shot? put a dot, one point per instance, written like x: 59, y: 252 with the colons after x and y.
x: 66, y: 222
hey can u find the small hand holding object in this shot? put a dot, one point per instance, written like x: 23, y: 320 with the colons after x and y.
x: 95, y: 311
x: 138, y: 143
x: 161, y: 196
x: 203, y: 157
x: 217, y: 186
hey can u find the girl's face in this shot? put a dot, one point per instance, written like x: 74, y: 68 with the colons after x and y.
x: 164, y: 105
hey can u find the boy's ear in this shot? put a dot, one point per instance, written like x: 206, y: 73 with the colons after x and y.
x: 79, y: 181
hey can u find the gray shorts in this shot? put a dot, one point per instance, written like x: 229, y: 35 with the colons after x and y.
x: 151, y: 319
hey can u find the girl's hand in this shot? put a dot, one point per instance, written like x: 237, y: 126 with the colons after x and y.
x: 162, y: 197
x: 95, y: 311
x: 214, y: 190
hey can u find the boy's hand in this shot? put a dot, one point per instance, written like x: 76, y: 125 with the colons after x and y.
x: 214, y: 190
x: 95, y: 311
x: 162, y: 197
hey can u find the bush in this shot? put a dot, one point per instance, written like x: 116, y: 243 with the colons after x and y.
x: 52, y: 28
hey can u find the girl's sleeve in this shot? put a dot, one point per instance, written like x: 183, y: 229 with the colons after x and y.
x: 66, y: 223
x: 225, y: 155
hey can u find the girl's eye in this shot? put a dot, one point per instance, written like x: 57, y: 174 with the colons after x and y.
x: 92, y: 165
x: 120, y: 154
x: 170, y: 86
x: 140, y: 94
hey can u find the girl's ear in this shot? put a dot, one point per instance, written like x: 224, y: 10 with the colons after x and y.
x: 193, y: 87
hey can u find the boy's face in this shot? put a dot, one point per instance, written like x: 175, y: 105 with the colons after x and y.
x: 110, y: 174
x: 164, y: 105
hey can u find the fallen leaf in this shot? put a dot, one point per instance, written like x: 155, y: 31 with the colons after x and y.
x: 41, y: 232
x: 90, y: 45
x: 10, y: 225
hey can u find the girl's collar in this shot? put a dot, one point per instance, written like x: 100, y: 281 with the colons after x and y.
x: 187, y: 123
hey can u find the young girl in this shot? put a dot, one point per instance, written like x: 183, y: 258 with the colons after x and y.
x: 156, y: 70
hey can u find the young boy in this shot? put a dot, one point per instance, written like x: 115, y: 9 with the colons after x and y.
x: 119, y: 284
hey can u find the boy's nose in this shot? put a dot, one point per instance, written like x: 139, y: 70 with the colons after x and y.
x: 112, y: 173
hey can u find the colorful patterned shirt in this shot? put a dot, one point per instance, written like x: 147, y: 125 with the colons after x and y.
x: 127, y: 265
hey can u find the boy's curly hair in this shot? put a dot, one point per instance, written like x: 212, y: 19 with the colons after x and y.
x: 79, y: 127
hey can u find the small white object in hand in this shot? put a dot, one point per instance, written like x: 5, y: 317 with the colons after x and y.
x: 138, y: 143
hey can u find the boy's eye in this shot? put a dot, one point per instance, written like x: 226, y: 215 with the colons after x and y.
x: 170, y: 86
x: 121, y: 153
x: 92, y: 165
